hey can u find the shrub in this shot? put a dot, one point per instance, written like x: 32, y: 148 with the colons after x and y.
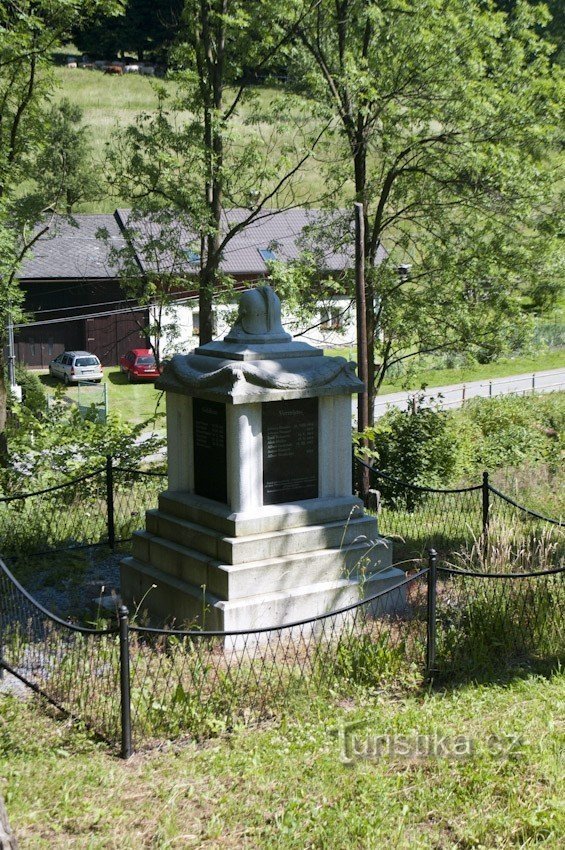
x: 514, y: 429
x: 418, y: 445
x: 34, y: 396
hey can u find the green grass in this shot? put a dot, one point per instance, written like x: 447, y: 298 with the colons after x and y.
x: 110, y: 103
x: 499, y: 369
x: 286, y: 787
x: 135, y: 402
x: 439, y: 377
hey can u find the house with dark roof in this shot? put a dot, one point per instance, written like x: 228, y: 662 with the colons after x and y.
x: 75, y: 299
x: 72, y: 294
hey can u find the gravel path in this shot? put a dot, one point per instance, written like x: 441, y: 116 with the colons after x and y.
x: 86, y: 590
x: 78, y: 595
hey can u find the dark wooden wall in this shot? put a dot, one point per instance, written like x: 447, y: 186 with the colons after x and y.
x: 107, y: 336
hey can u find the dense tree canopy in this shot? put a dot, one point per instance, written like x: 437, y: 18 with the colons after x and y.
x: 29, y: 31
x: 147, y: 28
x: 447, y: 110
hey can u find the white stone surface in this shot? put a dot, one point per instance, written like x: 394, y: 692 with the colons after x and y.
x: 253, y: 565
x: 244, y: 444
x: 180, y: 448
x: 222, y: 518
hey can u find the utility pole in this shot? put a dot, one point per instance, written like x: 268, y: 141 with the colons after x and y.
x: 362, y: 357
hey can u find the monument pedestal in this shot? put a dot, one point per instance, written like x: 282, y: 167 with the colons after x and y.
x: 249, y: 571
x: 258, y: 527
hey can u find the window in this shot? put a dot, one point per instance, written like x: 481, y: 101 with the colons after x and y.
x: 332, y: 319
x: 146, y: 360
x: 267, y: 254
x: 87, y: 361
x: 193, y: 257
x: 50, y: 346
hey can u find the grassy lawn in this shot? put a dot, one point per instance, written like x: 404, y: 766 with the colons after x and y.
x: 135, y: 402
x: 285, y: 786
x: 110, y: 103
x: 440, y: 377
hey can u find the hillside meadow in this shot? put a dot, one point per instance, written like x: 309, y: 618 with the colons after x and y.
x: 111, y: 102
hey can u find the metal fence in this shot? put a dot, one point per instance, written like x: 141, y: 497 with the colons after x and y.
x: 103, y: 507
x: 106, y: 506
x: 479, y: 524
x: 135, y: 686
x: 454, y: 396
x: 489, y: 623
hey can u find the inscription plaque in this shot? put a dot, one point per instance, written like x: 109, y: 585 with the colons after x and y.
x: 209, y: 430
x: 290, y: 451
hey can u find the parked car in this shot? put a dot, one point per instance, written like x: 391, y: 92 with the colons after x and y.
x: 139, y: 364
x: 75, y: 366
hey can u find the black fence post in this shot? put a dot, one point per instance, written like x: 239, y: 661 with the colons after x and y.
x: 125, y: 693
x: 110, y: 501
x: 431, y: 629
x: 486, y: 504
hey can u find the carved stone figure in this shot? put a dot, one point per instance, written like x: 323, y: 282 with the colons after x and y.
x: 259, y: 318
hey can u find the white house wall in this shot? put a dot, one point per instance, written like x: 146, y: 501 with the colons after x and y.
x: 179, y: 323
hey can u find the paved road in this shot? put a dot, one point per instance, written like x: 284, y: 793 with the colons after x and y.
x: 455, y: 395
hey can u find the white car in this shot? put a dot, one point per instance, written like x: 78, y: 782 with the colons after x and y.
x: 75, y: 366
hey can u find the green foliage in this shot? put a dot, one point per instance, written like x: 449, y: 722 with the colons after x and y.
x: 64, y: 170
x: 190, y: 157
x: 34, y: 396
x: 145, y: 27
x: 28, y: 31
x: 430, y: 447
x: 60, y: 443
x: 368, y: 660
x: 512, y: 430
x: 418, y: 445
x: 301, y: 288
x: 449, y: 159
x: 486, y: 625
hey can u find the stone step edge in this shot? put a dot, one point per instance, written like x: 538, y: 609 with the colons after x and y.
x: 167, y: 579
x: 221, y: 517
x: 387, y: 575
x: 209, y: 561
x: 258, y: 538
x: 274, y: 596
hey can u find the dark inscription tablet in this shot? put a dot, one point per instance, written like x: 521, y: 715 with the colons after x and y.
x: 209, y: 424
x: 290, y: 451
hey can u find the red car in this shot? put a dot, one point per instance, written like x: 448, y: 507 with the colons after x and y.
x: 139, y: 364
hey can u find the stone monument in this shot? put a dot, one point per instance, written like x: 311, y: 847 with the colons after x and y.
x: 258, y: 526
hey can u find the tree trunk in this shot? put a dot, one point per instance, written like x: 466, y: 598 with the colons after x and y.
x: 205, y: 300
x: 360, y: 167
x: 8, y: 840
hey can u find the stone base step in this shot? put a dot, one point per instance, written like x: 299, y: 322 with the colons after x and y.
x: 254, y: 547
x: 269, y: 518
x: 177, y: 602
x: 165, y: 600
x: 358, y: 561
